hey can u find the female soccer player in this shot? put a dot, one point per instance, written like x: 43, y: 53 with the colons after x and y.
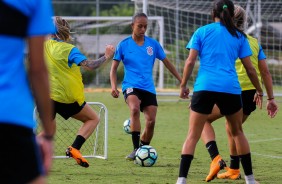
x: 23, y: 26
x: 218, y: 45
x: 248, y: 91
x: 138, y: 54
x: 67, y: 89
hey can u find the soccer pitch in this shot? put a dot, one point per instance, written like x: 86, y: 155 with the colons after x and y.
x: 263, y: 133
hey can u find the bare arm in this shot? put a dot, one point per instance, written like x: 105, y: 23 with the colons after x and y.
x: 172, y: 69
x: 187, y: 71
x: 271, y: 106
x: 113, y: 78
x: 252, y: 74
x: 93, y: 64
x: 38, y: 77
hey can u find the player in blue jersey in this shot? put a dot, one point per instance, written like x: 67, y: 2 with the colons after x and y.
x: 138, y: 54
x: 23, y: 26
x: 248, y: 90
x: 218, y: 45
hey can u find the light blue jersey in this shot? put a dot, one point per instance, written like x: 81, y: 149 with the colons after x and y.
x: 17, y: 22
x: 218, y: 51
x: 138, y: 62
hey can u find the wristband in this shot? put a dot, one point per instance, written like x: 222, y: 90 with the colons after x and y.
x: 272, y: 98
x: 259, y: 94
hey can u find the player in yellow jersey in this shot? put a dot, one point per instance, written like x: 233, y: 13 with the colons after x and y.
x: 248, y: 91
x: 67, y: 90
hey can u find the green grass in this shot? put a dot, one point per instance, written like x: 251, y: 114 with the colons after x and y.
x: 263, y: 133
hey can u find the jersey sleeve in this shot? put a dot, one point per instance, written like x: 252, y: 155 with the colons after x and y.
x: 76, y: 56
x: 195, y: 41
x: 261, y: 54
x: 245, y: 49
x: 118, y: 53
x: 41, y: 20
x: 160, y: 52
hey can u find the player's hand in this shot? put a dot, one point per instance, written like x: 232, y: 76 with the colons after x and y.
x: 115, y: 93
x: 46, y: 147
x: 184, y: 92
x: 258, y: 99
x: 272, y: 108
x: 110, y: 50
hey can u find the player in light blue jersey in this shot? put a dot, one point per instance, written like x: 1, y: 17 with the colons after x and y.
x: 138, y: 54
x: 23, y: 26
x: 218, y: 45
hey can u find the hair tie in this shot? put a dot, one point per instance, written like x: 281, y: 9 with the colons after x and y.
x: 224, y: 6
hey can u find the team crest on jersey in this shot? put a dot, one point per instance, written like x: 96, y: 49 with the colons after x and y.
x: 150, y: 51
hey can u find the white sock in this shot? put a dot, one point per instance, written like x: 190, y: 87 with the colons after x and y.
x: 250, y: 179
x: 181, y: 180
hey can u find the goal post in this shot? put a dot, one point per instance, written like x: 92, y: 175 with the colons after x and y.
x: 96, y: 146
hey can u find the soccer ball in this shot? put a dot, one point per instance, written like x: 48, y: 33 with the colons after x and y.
x: 146, y: 156
x: 126, y: 126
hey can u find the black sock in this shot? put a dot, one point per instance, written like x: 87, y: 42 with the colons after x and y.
x: 135, y: 139
x: 144, y: 143
x: 234, y: 162
x: 246, y: 162
x: 78, y: 142
x: 185, y: 165
x: 212, y: 149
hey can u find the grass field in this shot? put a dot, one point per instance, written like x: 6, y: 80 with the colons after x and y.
x: 264, y: 135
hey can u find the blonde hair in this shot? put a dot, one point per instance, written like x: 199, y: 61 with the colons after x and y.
x: 62, y: 29
x: 240, y: 17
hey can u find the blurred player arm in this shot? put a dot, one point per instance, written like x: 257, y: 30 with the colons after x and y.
x: 93, y: 64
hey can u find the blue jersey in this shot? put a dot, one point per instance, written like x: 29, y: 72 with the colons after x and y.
x: 218, y: 51
x: 138, y: 62
x: 19, y: 19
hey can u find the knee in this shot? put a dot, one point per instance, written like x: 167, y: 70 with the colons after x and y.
x: 150, y: 123
x: 135, y: 111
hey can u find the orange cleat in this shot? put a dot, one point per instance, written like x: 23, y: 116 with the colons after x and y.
x: 216, y: 165
x: 74, y: 153
x: 233, y: 174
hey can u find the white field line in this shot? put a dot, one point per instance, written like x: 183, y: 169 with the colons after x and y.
x: 265, y: 140
x: 266, y: 155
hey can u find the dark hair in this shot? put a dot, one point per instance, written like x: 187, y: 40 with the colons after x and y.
x: 137, y: 15
x: 224, y: 10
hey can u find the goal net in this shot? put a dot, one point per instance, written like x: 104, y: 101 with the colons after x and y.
x: 95, y: 146
x: 182, y: 18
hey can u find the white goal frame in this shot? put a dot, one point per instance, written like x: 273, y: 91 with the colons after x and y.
x: 95, y: 135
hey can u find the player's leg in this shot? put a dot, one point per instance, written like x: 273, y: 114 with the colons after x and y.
x: 242, y: 145
x: 201, y: 106
x: 233, y: 172
x: 208, y: 137
x: 196, y: 124
x: 148, y: 106
x: 90, y: 121
x: 133, y: 103
x: 150, y: 113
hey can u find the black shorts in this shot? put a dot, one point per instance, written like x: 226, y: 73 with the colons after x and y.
x: 21, y: 161
x: 248, y: 104
x: 67, y: 110
x: 146, y: 97
x: 203, y: 102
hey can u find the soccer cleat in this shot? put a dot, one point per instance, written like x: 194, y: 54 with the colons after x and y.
x: 216, y: 165
x: 131, y: 156
x: 74, y: 153
x: 233, y: 174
